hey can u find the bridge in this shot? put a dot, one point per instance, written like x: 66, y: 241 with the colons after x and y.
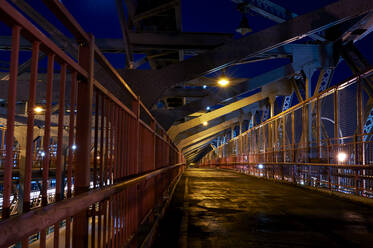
x: 122, y: 123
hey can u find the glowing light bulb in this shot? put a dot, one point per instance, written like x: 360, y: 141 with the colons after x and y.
x: 341, y: 156
x: 223, y: 82
x: 38, y: 109
x: 260, y: 166
x: 205, y: 123
x: 73, y: 147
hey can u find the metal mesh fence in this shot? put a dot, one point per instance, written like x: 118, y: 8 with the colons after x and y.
x: 322, y: 142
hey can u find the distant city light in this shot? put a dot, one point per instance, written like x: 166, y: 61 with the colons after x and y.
x: 208, y: 108
x: 260, y: 166
x: 73, y: 147
x: 205, y: 123
x: 204, y: 86
x: 38, y: 109
x: 341, y: 157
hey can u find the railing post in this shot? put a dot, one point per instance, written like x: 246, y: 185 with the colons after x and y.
x: 329, y: 168
x: 9, y: 157
x: 283, y: 145
x: 136, y: 110
x: 293, y: 145
x: 83, y: 140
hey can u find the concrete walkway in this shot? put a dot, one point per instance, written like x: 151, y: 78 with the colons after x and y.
x: 213, y: 208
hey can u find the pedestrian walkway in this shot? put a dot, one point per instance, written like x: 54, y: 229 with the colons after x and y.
x: 215, y: 208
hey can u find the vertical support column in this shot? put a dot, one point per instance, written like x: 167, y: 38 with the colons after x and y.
x: 136, y: 110
x: 283, y: 145
x: 61, y: 115
x: 135, y: 154
x: 70, y: 152
x: 360, y: 149
x: 83, y: 140
x: 336, y: 120
x: 318, y: 128
x: 293, y: 146
x: 30, y: 126
x: 12, y: 89
x: 308, y: 123
x: 360, y: 124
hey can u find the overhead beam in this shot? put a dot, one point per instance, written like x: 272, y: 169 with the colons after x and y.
x: 141, y: 42
x: 199, y: 144
x: 272, y: 11
x: 268, y: 90
x: 305, y: 57
x: 155, y: 11
x: 261, y: 105
x: 182, y: 40
x: 185, y: 92
x: 125, y: 35
x: 250, y: 46
x: 57, y: 35
x: 206, y: 133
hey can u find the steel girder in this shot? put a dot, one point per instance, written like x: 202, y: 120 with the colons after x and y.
x: 167, y: 117
x: 213, y: 131
x: 142, y: 42
x: 206, y: 133
x: 271, y: 11
x: 268, y: 90
x: 126, y: 39
x: 198, y: 144
x: 305, y: 57
x: 236, y: 114
x: 249, y: 46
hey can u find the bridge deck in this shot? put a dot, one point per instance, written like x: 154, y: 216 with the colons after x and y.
x: 214, y: 208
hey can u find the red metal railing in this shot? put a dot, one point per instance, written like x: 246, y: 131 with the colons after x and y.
x: 101, y: 164
x: 319, y: 142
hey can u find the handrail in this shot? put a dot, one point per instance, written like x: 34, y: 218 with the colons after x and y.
x: 328, y: 91
x: 343, y: 166
x: 10, y: 231
x: 30, y: 32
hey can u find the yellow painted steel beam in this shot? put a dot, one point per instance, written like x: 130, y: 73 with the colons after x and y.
x: 274, y: 89
x: 206, y: 133
x: 197, y: 145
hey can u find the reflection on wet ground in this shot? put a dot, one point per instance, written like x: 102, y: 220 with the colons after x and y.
x: 213, y: 208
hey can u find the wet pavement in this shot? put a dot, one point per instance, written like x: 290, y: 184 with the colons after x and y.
x: 213, y: 208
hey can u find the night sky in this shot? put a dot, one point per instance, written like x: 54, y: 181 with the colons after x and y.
x: 221, y: 16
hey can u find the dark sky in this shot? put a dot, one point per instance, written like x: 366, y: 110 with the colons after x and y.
x: 100, y: 18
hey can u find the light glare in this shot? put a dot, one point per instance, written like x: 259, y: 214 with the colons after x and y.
x: 223, y: 82
x: 341, y: 156
x: 260, y: 166
x: 38, y: 109
x: 205, y: 123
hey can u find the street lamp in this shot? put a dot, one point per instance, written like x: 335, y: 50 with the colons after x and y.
x: 244, y: 27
